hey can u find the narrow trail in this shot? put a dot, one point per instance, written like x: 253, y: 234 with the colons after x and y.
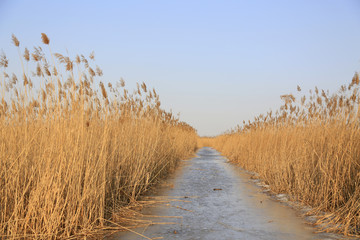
x: 219, y: 201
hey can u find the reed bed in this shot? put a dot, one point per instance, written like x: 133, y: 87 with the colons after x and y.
x: 73, y: 151
x: 309, y: 149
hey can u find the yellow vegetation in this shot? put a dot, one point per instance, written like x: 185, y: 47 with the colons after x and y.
x: 309, y: 149
x: 72, y: 153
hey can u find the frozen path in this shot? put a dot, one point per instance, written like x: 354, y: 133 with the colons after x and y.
x: 222, y: 203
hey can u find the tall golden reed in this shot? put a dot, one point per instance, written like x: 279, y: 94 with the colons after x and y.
x: 72, y: 153
x: 309, y: 149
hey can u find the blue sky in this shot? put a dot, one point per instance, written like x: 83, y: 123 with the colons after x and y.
x: 214, y: 62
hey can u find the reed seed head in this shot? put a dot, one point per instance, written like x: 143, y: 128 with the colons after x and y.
x: 4, y: 62
x: 45, y: 39
x: 92, y: 55
x: 25, y: 80
x: 15, y: 41
x: 103, y: 90
x: 27, y: 55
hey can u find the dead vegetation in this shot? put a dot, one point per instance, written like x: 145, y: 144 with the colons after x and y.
x: 310, y: 149
x: 74, y: 151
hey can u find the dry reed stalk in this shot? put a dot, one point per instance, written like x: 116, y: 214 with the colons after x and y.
x: 309, y: 149
x: 72, y: 154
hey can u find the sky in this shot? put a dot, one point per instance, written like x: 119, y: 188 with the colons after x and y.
x: 216, y: 63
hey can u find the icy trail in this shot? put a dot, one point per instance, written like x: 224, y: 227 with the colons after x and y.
x: 219, y: 201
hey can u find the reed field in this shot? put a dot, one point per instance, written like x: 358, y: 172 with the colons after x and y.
x: 309, y: 149
x: 73, y: 150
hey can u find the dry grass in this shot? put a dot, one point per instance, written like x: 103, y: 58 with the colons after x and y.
x: 309, y: 149
x: 72, y: 150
